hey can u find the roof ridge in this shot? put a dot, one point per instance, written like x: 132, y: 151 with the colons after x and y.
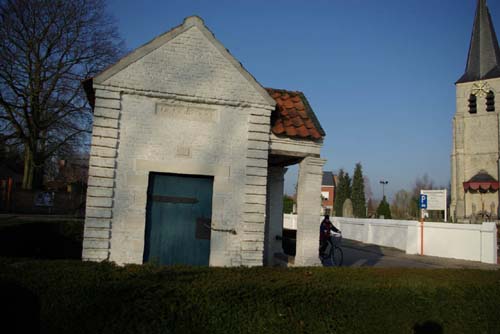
x: 283, y: 90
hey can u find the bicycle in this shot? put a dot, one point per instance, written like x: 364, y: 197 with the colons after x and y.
x: 333, y: 253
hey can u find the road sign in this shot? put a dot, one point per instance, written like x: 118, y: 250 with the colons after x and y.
x: 436, y: 199
x: 423, y: 201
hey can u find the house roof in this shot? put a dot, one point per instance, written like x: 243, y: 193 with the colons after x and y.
x: 293, y: 116
x: 483, y: 61
x: 328, y: 179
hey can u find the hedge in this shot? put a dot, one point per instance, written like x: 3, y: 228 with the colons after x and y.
x: 75, y: 297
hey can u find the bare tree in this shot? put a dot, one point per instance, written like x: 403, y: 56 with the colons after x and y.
x: 402, y: 205
x: 368, y: 187
x: 46, y: 48
x: 423, y: 183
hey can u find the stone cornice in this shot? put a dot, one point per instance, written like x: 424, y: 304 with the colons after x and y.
x: 184, y: 98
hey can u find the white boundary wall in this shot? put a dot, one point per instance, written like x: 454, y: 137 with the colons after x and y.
x: 457, y: 241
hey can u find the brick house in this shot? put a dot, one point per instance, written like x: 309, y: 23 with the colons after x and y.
x: 327, y: 193
x: 188, y: 158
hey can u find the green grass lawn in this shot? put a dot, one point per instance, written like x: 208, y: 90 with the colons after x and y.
x: 43, y: 295
x: 81, y: 297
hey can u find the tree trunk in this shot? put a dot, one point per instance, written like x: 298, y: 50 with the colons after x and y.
x: 39, y: 165
x: 28, y: 168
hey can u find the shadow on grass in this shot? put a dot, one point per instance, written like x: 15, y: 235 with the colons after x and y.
x: 42, y: 240
x: 428, y: 327
x: 20, y: 309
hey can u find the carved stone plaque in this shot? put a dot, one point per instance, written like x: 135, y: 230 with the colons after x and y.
x: 189, y: 113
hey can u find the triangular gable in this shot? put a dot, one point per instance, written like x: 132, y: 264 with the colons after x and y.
x: 187, y: 60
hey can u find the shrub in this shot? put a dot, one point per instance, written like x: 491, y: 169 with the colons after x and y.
x: 74, y: 297
x: 384, y: 209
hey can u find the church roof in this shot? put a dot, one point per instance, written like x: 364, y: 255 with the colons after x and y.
x: 483, y: 61
x: 293, y: 116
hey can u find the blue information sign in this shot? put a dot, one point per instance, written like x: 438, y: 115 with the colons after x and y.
x: 423, y: 202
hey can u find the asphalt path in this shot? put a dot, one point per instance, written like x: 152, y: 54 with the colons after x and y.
x: 357, y: 254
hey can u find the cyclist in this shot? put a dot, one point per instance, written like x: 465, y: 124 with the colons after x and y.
x: 325, y: 230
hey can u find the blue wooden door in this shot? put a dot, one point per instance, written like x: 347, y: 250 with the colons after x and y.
x: 178, y: 219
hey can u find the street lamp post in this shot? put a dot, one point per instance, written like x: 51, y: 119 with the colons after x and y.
x: 383, y: 183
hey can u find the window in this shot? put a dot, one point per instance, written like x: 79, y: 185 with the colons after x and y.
x: 472, y: 104
x: 325, y: 195
x: 490, y: 101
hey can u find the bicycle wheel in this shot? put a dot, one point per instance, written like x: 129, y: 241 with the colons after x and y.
x: 337, y: 256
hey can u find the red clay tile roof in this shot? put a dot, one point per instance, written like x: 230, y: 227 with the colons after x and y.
x: 293, y: 116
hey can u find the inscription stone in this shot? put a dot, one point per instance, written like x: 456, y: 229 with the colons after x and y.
x: 196, y: 114
x: 347, y: 210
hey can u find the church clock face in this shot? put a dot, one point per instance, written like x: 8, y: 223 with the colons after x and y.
x: 480, y: 89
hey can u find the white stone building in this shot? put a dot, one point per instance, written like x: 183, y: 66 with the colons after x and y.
x: 188, y: 158
x: 475, y: 155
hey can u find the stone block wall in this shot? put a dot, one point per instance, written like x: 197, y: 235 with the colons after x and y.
x: 475, y: 147
x: 101, y: 182
x: 308, y: 210
x: 254, y: 208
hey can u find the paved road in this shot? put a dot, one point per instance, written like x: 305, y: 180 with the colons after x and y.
x: 357, y: 254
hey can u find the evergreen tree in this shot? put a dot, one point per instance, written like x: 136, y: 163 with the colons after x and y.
x: 358, y: 193
x: 342, y: 192
x: 384, y: 209
x: 287, y: 204
x: 348, y: 186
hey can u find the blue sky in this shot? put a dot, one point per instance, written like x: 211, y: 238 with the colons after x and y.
x: 379, y: 74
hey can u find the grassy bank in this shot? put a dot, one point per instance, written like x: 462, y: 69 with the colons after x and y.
x: 75, y: 297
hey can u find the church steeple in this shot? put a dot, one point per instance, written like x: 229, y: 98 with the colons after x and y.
x: 484, y: 54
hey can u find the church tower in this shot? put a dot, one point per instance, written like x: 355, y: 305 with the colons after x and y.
x: 475, y: 157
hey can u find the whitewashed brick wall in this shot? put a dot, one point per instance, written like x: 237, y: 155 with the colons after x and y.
x: 180, y: 104
x: 151, y: 142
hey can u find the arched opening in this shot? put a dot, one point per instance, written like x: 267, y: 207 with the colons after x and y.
x: 472, y: 104
x: 490, y: 101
